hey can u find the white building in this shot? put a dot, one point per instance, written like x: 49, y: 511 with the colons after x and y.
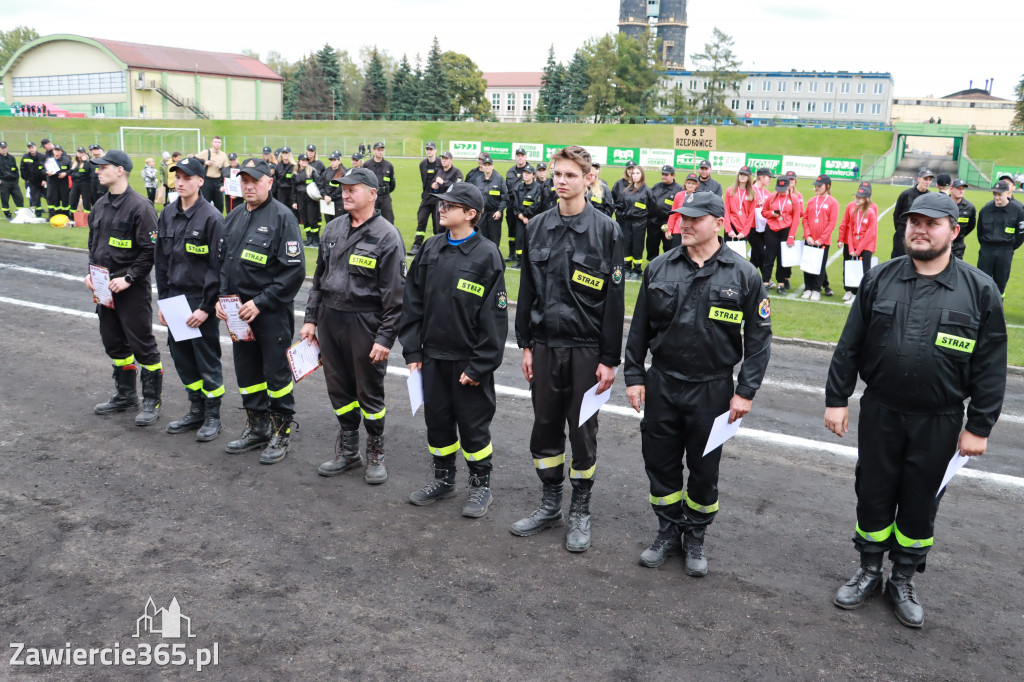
x: 513, y: 94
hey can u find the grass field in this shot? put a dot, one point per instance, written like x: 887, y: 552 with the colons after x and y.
x: 1004, y: 150
x: 792, y: 317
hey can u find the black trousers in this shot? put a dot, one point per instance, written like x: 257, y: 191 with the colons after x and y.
x: 261, y: 367
x: 560, y: 378
x: 901, y: 459
x: 383, y: 204
x: 676, y: 240
x: 58, y: 196
x: 211, y: 192
x: 82, y: 191
x: 899, y: 248
x: 355, y: 384
x: 490, y: 228
x: 511, y: 220
x: 197, y: 361
x: 678, y: 417
x: 127, y: 328
x: 815, y: 282
x: 995, y: 261
x: 36, y: 194
x: 864, y: 257
x: 457, y: 416
x: 756, y: 241
x: 656, y: 241
x: 11, y: 190
x: 426, y: 211
x: 309, y: 215
x: 633, y: 232
x: 773, y: 242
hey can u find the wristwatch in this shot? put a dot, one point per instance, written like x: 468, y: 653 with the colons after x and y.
x: 129, y: 279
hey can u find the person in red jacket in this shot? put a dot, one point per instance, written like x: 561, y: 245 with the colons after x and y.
x: 739, y: 207
x: 762, y: 190
x: 672, y: 234
x: 782, y: 211
x: 820, y: 218
x: 858, y: 233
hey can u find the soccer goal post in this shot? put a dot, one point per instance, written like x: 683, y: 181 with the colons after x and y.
x: 149, y: 141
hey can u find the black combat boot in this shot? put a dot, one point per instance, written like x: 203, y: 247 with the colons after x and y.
x: 194, y: 419
x: 696, y: 564
x: 666, y: 543
x: 900, y: 589
x: 479, y: 496
x: 547, y: 515
x: 864, y: 584
x: 211, y: 422
x: 125, y: 396
x: 440, y: 488
x: 152, y: 383
x: 277, y: 448
x: 578, y: 537
x: 346, y: 449
x: 375, y: 471
x: 257, y: 433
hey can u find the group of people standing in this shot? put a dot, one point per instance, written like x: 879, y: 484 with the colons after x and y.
x: 52, y: 174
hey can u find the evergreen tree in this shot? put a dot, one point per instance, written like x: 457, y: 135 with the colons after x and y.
x: 435, y: 96
x: 1018, y: 118
x: 375, y: 93
x: 328, y: 63
x: 311, y: 98
x: 403, y: 89
x: 552, y: 96
x: 576, y: 84
x: 291, y: 87
x: 720, y: 67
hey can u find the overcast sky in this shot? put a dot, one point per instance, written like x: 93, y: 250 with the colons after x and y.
x: 931, y: 48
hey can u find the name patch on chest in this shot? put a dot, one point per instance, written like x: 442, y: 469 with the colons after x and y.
x: 200, y: 249
x: 260, y: 258
x: 362, y: 261
x: 724, y: 315
x: 588, y: 280
x: 471, y: 287
x: 121, y: 243
x: 955, y: 343
x: 263, y: 229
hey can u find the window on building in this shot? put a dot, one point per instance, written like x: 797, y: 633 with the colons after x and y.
x: 798, y: 86
x: 858, y: 108
x: 812, y: 86
x: 99, y: 110
x: 862, y: 88
x: 812, y: 107
x: 527, y: 101
x: 71, y: 84
x: 844, y: 87
x: 876, y: 109
x: 844, y: 108
x: 878, y: 88
x: 510, y: 102
x: 780, y: 106
x: 750, y: 105
x: 826, y: 107
x: 750, y: 85
x: 829, y: 87
x: 765, y: 105
x: 796, y: 106
x: 679, y: 85
x: 782, y: 86
x: 495, y: 101
x: 693, y: 84
x: 766, y: 86
x: 735, y: 105
x: 705, y: 85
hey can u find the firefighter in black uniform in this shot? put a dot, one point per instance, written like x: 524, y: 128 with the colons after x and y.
x: 925, y: 333
x: 548, y: 197
x: 35, y: 178
x: 98, y: 190
x: 81, y: 181
x: 315, y: 162
x: 903, y: 202
x: 353, y: 310
x: 385, y: 173
x: 428, y: 171
x: 122, y: 229
x: 1000, y: 233
x: 446, y: 176
x: 58, y: 184
x: 492, y: 188
x: 329, y: 183
x: 513, y: 178
x: 264, y: 264
x: 307, y: 207
x: 706, y: 183
x: 529, y: 198
x: 968, y: 216
x: 9, y: 187
x: 187, y: 258
x: 662, y: 196
x: 453, y: 329
x: 479, y: 166
x: 284, y: 179
x: 701, y: 309
x: 569, y: 325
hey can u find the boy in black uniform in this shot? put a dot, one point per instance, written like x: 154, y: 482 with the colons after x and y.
x: 968, y: 216
x: 548, y: 197
x: 513, y: 178
x: 925, y: 332
x: 529, y: 198
x: 9, y: 188
x: 284, y: 179
x: 706, y: 183
x: 492, y: 188
x: 428, y: 171
x: 702, y: 308
x: 264, y: 264
x: 329, y: 183
x: 453, y: 329
x: 1000, y: 233
x: 58, y: 184
x: 903, y: 202
x: 122, y: 228
x: 662, y: 196
x: 569, y: 325
x: 34, y: 176
x: 385, y: 173
x: 353, y: 310
x: 189, y: 245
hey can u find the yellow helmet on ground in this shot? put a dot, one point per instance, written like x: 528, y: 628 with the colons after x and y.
x: 59, y: 220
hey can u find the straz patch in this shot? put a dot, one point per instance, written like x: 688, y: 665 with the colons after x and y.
x: 292, y: 248
x: 470, y: 287
x: 198, y: 249
x: 955, y: 343
x: 724, y: 315
x: 121, y: 243
x: 588, y: 280
x: 764, y: 309
x: 263, y: 229
x: 362, y: 261
x: 502, y: 300
x: 617, y: 274
x: 254, y: 257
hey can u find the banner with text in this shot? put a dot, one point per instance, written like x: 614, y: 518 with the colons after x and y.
x: 498, y: 150
x: 772, y: 162
x: 597, y: 154
x: 727, y: 162
x: 690, y: 160
x: 805, y: 166
x: 534, y: 152
x: 620, y: 156
x: 462, y: 149
x: 695, y: 137
x: 657, y: 157
x: 840, y: 169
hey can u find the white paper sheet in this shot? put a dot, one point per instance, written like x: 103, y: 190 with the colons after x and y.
x: 791, y: 255
x: 172, y: 197
x: 233, y: 186
x: 592, y: 402
x: 955, y: 465
x: 304, y: 358
x: 721, y: 431
x: 175, y: 311
x: 811, y: 259
x: 238, y: 328
x: 52, y: 166
x: 739, y: 247
x: 326, y: 208
x: 415, y: 384
x: 101, y: 286
x: 853, y: 273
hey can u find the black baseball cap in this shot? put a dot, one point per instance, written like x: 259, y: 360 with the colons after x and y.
x: 357, y: 157
x: 691, y: 176
x: 58, y: 147
x: 764, y: 170
x: 744, y: 170
x: 267, y: 150
x: 3, y: 144
x: 360, y: 176
x: 864, y: 191
x: 44, y: 140
x: 94, y: 146
x: 31, y: 144
x: 529, y: 169
x: 791, y: 174
x: 115, y: 157
x: 520, y: 151
x: 232, y: 156
x: 81, y: 149
x: 704, y: 163
x: 1002, y: 186
x: 596, y: 164
x: 1006, y: 176
x: 378, y: 145
x: 287, y: 150
x: 822, y: 180
x: 669, y: 169
x: 446, y: 155
x: 189, y: 166
x: 256, y: 168
x: 430, y: 145
x: 303, y: 157
x: 959, y: 183
x: 943, y: 180
x: 630, y: 164
x: 310, y: 147
x: 465, y: 194
x: 542, y: 166
x: 699, y: 204
x: 335, y: 156
x: 486, y: 158
x: 934, y: 205
x: 925, y: 173
x: 782, y: 184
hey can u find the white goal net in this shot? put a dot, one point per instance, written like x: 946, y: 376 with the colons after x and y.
x: 147, y: 141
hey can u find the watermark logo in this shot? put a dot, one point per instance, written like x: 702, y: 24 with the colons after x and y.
x: 164, y: 622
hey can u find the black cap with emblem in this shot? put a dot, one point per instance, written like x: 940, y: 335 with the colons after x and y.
x: 699, y: 204
x: 255, y: 168
x: 189, y: 166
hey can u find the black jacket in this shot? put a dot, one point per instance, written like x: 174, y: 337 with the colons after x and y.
x: 80, y: 175
x: 9, y: 169
x: 263, y: 258
x: 529, y: 199
x: 450, y: 177
x: 709, y: 185
x: 385, y: 173
x: 513, y: 177
x: 428, y: 171
x: 284, y: 182
x: 968, y: 221
x: 1001, y: 226
x: 300, y: 179
x: 495, y: 195
x: 698, y: 322
x: 605, y: 204
x: 923, y: 346
x: 903, y: 204
x: 330, y: 186
x: 549, y: 195
x: 632, y: 205
x: 455, y: 305
x: 571, y: 293
x: 122, y: 229
x: 662, y: 196
x: 360, y: 270
x: 189, y: 250
x: 32, y: 167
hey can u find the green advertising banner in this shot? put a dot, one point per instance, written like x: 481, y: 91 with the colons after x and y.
x: 550, y: 149
x: 772, y: 162
x: 687, y: 160
x: 620, y: 156
x: 840, y: 169
x: 498, y: 150
x: 1006, y: 170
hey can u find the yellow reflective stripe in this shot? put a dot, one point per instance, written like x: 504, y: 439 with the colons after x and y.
x: 121, y: 243
x: 201, y: 249
x: 595, y: 200
x: 640, y: 205
x: 963, y: 219
x: 387, y: 179
x: 527, y: 203
x: 706, y: 509
x: 362, y: 261
x: 375, y: 416
x: 674, y: 498
x: 585, y: 473
x: 260, y: 258
x: 255, y: 388
x: 734, y: 316
x: 668, y: 201
x: 153, y: 368
x: 130, y: 360
x: 445, y: 451
x: 588, y: 280
x: 194, y: 386
x: 345, y: 409
x: 1010, y: 229
x: 471, y: 287
x: 954, y: 342
x: 215, y: 393
x: 479, y: 454
x: 549, y: 462
x: 281, y: 392
x: 876, y: 535
x: 911, y: 542
x: 495, y: 192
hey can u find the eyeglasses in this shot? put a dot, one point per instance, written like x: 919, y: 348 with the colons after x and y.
x: 446, y: 206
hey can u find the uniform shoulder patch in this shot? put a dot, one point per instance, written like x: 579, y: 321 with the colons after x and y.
x: 152, y: 236
x: 764, y: 309
x: 617, y: 274
x: 292, y: 248
x: 502, y: 300
x: 405, y: 268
